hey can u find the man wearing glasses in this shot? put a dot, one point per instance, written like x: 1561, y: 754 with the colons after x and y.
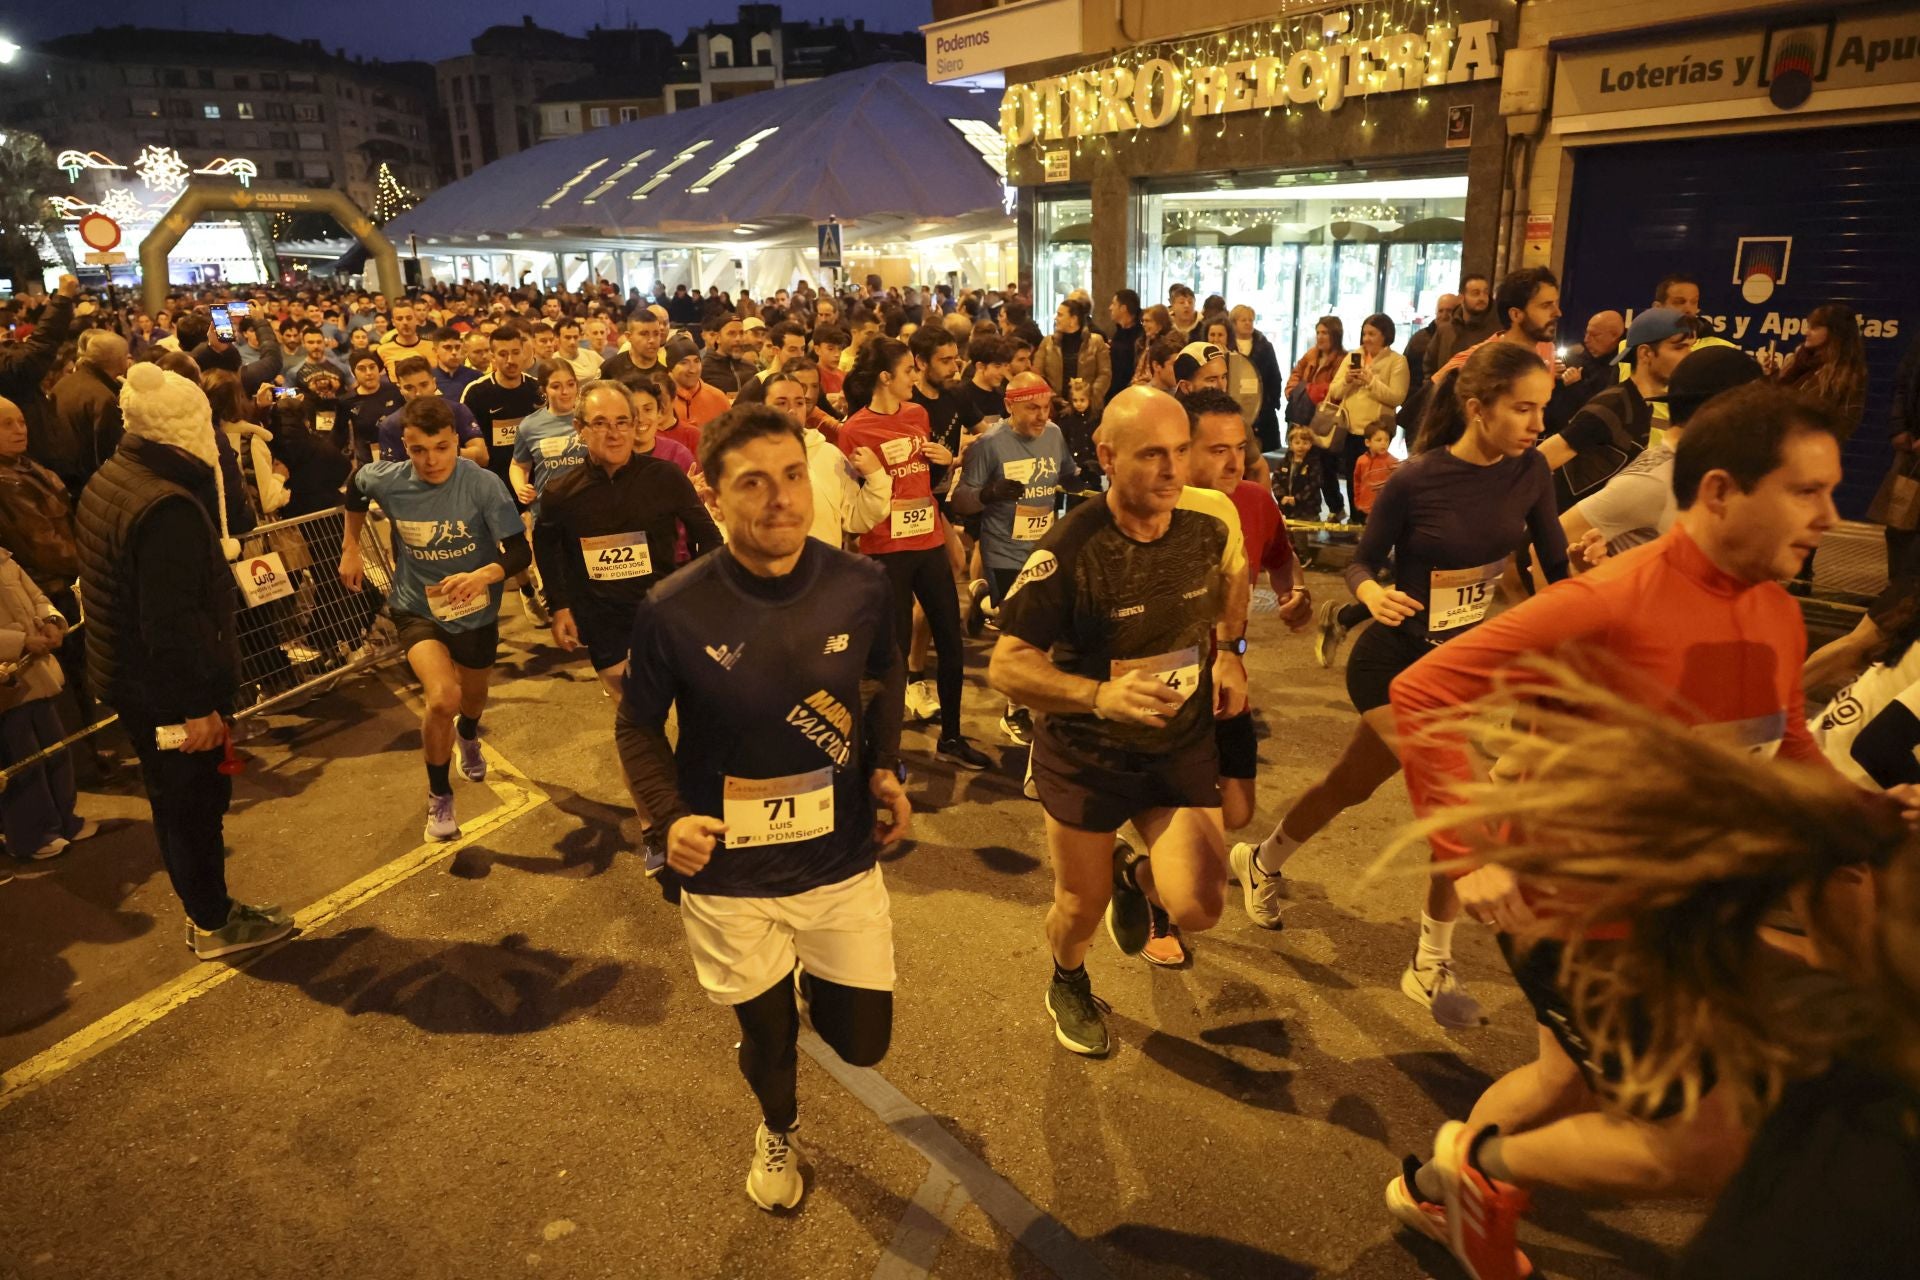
x: 607, y: 531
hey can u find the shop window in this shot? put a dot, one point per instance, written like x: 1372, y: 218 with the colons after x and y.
x: 1296, y: 250
x: 1062, y: 253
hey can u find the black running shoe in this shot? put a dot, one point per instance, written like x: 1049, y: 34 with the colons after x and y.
x: 963, y: 753
x: 1079, y: 1016
x: 1129, y: 914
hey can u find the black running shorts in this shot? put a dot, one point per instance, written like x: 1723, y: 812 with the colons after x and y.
x: 1239, y: 749
x: 1537, y: 969
x: 1105, y: 795
x: 1380, y: 654
x: 475, y: 650
x: 607, y: 633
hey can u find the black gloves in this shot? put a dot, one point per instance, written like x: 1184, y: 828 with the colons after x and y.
x: 1005, y: 489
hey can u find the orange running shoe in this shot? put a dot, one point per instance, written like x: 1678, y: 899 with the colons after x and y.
x: 1428, y: 1218
x: 1163, y: 947
x: 1482, y: 1213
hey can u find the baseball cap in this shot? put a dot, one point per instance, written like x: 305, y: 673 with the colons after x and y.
x: 1194, y: 357
x: 1652, y: 327
x: 753, y: 322
x: 1704, y: 374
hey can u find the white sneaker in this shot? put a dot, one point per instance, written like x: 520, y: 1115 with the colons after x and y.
x: 1446, y: 997
x: 1029, y: 788
x: 1262, y: 892
x: 923, y: 701
x: 774, y: 1181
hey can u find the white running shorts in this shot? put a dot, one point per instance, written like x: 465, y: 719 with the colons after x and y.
x: 842, y: 932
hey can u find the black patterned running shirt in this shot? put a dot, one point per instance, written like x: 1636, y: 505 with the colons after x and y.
x: 1103, y: 604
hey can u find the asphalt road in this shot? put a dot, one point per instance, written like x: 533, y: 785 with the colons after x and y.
x: 497, y: 1062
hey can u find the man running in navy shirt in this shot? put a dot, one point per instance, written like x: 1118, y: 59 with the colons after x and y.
x: 771, y: 835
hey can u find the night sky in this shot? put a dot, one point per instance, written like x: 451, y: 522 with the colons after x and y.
x: 429, y: 31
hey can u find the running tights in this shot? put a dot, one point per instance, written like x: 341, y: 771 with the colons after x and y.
x: 856, y: 1021
x: 928, y: 577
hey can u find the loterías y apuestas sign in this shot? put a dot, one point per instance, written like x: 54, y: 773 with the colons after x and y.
x: 1321, y: 62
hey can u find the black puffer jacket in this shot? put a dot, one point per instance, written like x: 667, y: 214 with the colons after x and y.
x: 159, y: 595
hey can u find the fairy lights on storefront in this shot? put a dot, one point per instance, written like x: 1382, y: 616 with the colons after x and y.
x: 1319, y: 60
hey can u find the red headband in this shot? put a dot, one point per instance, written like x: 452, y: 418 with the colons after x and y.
x: 1032, y: 391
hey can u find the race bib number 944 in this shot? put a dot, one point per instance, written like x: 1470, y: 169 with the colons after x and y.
x: 1179, y: 670
x: 764, y: 811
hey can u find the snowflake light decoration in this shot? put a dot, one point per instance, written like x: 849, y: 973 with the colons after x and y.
x: 162, y: 169
x: 122, y: 206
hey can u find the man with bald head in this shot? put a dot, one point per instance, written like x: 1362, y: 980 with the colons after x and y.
x: 1125, y: 629
x: 85, y: 425
x: 1587, y: 369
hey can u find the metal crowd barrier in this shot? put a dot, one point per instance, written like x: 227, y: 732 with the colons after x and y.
x: 300, y: 632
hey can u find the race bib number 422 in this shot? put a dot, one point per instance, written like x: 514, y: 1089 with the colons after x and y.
x: 764, y: 811
x: 1461, y: 597
x: 615, y: 557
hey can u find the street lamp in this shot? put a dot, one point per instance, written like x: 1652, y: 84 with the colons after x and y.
x: 8, y: 51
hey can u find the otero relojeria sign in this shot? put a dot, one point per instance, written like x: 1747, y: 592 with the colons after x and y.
x: 1320, y: 63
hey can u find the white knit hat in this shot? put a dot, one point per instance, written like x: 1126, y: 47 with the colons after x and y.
x: 165, y: 408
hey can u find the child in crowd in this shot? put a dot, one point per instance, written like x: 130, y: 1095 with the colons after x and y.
x: 1371, y: 472
x: 1297, y: 489
x: 1078, y: 420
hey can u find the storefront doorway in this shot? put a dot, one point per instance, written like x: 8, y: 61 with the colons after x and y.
x: 1298, y: 246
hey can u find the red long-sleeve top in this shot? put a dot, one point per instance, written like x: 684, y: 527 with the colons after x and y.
x: 1660, y: 626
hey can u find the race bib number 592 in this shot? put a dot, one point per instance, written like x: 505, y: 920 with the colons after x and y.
x: 912, y: 517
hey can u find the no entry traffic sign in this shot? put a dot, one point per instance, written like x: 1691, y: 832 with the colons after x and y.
x: 99, y: 231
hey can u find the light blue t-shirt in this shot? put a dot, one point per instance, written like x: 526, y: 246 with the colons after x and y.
x: 440, y: 530
x: 1009, y: 531
x: 547, y: 447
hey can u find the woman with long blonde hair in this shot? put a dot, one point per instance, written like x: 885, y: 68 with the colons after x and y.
x: 1667, y: 895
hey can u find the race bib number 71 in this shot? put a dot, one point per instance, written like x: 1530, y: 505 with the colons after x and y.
x: 764, y: 811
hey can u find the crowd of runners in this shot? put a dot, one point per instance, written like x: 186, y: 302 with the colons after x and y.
x: 756, y: 519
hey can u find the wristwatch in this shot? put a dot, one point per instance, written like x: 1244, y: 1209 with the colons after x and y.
x: 1236, y: 647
